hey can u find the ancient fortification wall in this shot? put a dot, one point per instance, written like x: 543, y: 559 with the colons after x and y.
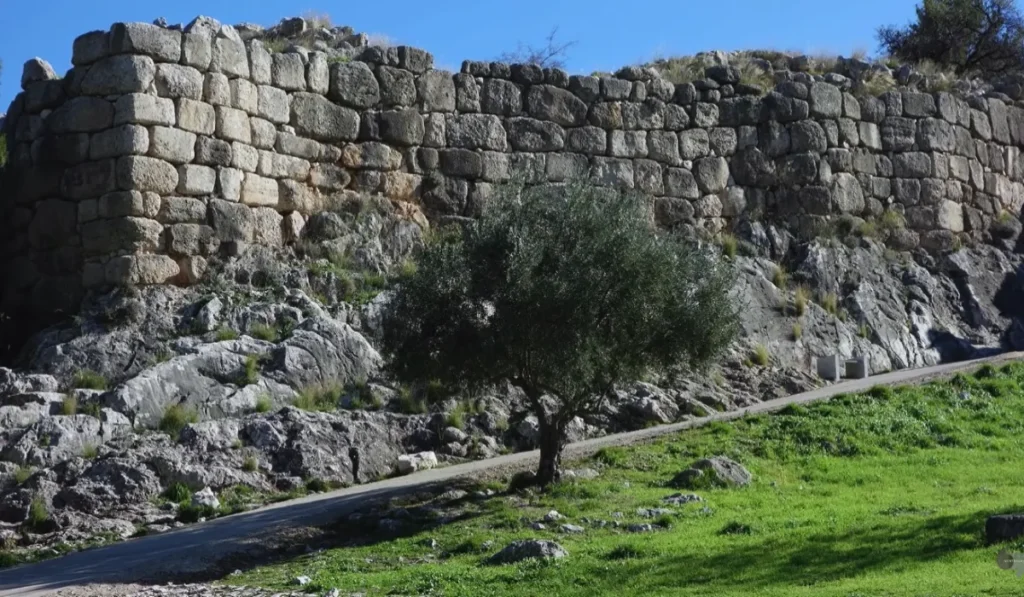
x: 162, y: 148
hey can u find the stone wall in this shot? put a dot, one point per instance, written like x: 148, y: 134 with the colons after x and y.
x: 162, y: 148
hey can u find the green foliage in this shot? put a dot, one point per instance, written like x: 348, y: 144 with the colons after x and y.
x: 93, y: 409
x: 864, y: 331
x: 90, y: 451
x: 365, y: 398
x: 457, y: 417
x: 875, y: 84
x: 798, y: 331
x: 89, y: 380
x: 225, y: 333
x: 971, y: 36
x: 566, y: 291
x: 409, y: 402
x: 264, y: 332
x: 264, y: 403
x: 760, y: 356
x: 779, y: 277
x: 250, y: 371
x: 177, y: 493
x: 188, y: 513
x: 176, y: 417
x: 867, y: 229
x: 829, y: 302
x: 38, y: 513
x: 801, y: 296
x: 318, y: 398
x: 250, y: 464
x: 69, y: 405
x: 892, y: 220
x: 3, y: 150
x: 729, y: 244
x: 316, y: 486
x: 22, y: 473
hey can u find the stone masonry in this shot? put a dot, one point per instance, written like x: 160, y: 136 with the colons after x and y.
x: 162, y: 148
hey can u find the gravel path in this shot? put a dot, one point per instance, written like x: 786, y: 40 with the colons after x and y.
x: 103, y: 572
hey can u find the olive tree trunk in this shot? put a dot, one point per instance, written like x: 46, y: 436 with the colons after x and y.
x: 552, y: 441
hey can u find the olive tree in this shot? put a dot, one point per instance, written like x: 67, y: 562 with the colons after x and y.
x: 565, y: 291
x: 985, y: 36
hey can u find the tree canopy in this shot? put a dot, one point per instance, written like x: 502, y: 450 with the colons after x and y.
x: 972, y: 36
x: 565, y: 291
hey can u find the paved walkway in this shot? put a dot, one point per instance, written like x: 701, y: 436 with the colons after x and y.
x: 193, y: 548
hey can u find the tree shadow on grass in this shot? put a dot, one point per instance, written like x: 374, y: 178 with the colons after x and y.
x: 822, y: 557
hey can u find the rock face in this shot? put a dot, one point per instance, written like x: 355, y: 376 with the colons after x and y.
x: 717, y: 471
x: 410, y: 463
x: 518, y: 551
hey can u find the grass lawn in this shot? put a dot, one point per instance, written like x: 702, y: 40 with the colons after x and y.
x: 883, y: 493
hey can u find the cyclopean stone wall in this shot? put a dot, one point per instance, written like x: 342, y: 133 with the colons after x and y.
x: 162, y: 148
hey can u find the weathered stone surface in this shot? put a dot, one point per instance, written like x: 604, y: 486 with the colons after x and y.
x: 476, y: 131
x: 712, y: 174
x: 139, y: 173
x: 142, y: 38
x: 141, y: 269
x: 217, y: 89
x: 231, y: 221
x: 288, y: 72
x: 88, y: 180
x: 556, y: 105
x: 172, y: 144
x: 175, y: 81
x: 90, y: 47
x: 353, y: 84
x: 898, y: 134
x: 213, y: 152
x: 194, y: 179
x: 259, y: 191
x: 119, y: 74
x: 233, y: 125
x: 126, y: 139
x: 518, y: 551
x: 501, y: 97
x: 612, y: 172
x: 694, y: 143
x: 436, y: 91
x: 81, y: 115
x: 197, y: 50
x: 229, y: 58
x: 181, y: 210
x: 717, y: 471
x: 135, y: 234
x: 244, y: 157
x: 826, y: 101
x: 627, y: 144
x: 141, y: 108
x: 316, y: 117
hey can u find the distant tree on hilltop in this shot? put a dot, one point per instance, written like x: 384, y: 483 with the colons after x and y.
x: 984, y: 36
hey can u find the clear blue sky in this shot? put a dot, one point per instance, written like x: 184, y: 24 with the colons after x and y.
x: 609, y: 33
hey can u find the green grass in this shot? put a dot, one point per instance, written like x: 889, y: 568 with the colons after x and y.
x: 760, y: 356
x: 779, y: 277
x: 176, y: 417
x: 22, y: 473
x: 830, y: 303
x: 38, y: 513
x: 264, y: 332
x: 90, y: 451
x: 69, y: 405
x: 89, y: 380
x: 883, y: 493
x: 729, y: 245
x: 798, y: 331
x: 224, y: 334
x: 264, y: 403
x: 318, y: 398
x: 250, y: 371
x: 801, y: 296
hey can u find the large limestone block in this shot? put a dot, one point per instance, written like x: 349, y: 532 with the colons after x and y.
x: 231, y: 221
x: 142, y: 235
x: 141, y: 269
x: 273, y: 104
x: 171, y: 144
x: 230, y: 58
x: 233, y: 125
x: 288, y: 72
x: 140, y: 173
x: 316, y: 117
x: 196, y: 117
x: 175, y: 81
x: 142, y: 108
x: 127, y: 139
x: 194, y: 179
x: 143, y: 38
x: 115, y: 75
x: 353, y: 84
x: 81, y: 115
x: 259, y: 191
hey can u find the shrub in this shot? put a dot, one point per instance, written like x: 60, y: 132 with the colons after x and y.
x: 318, y: 398
x: 264, y: 403
x: 224, y: 334
x: 457, y: 417
x: 761, y: 357
x: 69, y: 406
x: 316, y: 486
x: 176, y: 417
x: 38, y: 513
x: 875, y: 84
x: 800, y: 299
x: 409, y: 403
x: 250, y: 464
x: 177, y: 493
x: 250, y: 371
x: 264, y: 332
x: 798, y: 331
x: 89, y: 380
x: 864, y: 331
x: 542, y: 290
x: 892, y: 220
x: 90, y: 451
x: 830, y: 303
x: 779, y: 277
x: 22, y: 473
x: 550, y: 54
x: 729, y: 245
x: 867, y: 229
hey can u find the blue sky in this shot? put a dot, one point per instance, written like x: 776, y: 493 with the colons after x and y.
x: 609, y: 33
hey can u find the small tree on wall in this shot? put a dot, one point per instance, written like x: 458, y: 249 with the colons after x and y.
x: 564, y: 291
x: 985, y: 36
